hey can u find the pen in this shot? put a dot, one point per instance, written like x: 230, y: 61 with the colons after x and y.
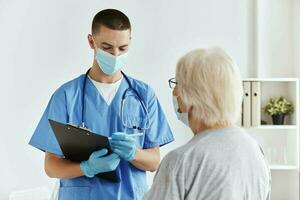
x: 135, y: 134
x: 132, y: 135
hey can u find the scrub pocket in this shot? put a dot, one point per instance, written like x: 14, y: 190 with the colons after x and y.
x: 74, y: 193
x: 134, y: 121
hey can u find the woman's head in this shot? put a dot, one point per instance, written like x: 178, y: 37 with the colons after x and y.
x: 209, y: 87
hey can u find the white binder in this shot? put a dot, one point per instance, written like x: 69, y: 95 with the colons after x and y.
x: 239, y: 121
x: 247, y: 104
x: 256, y: 105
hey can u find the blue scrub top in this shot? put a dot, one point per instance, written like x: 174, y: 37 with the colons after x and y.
x: 65, y: 106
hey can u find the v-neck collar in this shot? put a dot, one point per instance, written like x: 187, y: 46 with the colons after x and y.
x: 98, y: 99
x: 98, y: 86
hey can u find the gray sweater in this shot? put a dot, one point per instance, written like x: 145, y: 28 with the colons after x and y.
x: 219, y: 164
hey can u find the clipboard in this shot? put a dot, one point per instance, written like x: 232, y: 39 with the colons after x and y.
x: 77, y: 144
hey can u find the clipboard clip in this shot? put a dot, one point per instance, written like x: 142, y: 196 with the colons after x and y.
x: 80, y: 127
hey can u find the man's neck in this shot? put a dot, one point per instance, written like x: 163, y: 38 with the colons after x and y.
x: 97, y: 75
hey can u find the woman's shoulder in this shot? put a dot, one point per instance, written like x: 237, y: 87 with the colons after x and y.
x: 178, y: 156
x: 173, y: 158
x: 207, y: 141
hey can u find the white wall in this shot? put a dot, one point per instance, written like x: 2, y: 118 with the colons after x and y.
x: 275, y: 38
x: 278, y: 41
x: 296, y: 35
x: 43, y: 44
x: 296, y: 30
x: 278, y: 50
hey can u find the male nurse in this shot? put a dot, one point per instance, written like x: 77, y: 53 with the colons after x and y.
x: 97, y: 99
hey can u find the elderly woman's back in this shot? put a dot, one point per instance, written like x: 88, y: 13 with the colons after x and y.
x: 216, y: 164
x: 221, y: 161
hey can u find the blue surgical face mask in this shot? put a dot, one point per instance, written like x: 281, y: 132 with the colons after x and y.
x: 183, y: 117
x: 108, y: 63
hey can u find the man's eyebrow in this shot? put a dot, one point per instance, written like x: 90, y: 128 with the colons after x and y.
x: 126, y: 45
x: 105, y: 43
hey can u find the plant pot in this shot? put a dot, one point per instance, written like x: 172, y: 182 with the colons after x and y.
x: 278, y: 119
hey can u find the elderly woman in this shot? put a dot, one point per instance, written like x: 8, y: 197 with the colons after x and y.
x: 221, y: 161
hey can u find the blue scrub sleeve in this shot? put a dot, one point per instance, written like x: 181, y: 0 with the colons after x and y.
x: 159, y: 132
x: 43, y: 137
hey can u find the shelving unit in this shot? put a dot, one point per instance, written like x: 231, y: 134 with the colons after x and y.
x: 280, y: 142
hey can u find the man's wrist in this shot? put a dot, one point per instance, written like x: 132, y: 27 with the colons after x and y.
x: 85, y: 168
x: 133, y: 157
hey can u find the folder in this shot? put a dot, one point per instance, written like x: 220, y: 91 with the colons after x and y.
x: 239, y: 121
x: 256, y: 105
x: 247, y: 104
x: 77, y: 144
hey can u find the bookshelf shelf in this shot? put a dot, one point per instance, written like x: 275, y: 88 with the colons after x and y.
x: 283, y: 167
x: 275, y: 127
x: 272, y: 79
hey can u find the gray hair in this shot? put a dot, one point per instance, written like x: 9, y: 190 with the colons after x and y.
x: 210, y: 82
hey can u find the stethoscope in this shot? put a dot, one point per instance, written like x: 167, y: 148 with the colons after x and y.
x: 133, y: 93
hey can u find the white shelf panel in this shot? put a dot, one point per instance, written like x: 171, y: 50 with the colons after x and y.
x: 283, y: 167
x: 272, y: 79
x: 274, y: 127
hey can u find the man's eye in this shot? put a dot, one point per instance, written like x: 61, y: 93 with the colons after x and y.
x: 123, y: 49
x: 106, y: 48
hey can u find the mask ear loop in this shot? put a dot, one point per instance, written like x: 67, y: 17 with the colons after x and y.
x: 94, y: 43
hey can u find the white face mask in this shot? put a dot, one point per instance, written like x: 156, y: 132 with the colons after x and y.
x: 183, y: 117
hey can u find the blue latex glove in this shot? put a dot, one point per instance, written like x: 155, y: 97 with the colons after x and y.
x: 123, y: 145
x: 98, y: 163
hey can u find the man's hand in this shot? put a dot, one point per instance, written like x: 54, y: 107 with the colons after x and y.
x: 123, y: 145
x: 98, y: 163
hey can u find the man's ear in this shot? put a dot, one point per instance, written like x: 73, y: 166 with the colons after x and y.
x: 91, y: 41
x: 190, y: 108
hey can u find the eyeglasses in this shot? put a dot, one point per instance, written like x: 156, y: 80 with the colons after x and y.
x: 172, y: 83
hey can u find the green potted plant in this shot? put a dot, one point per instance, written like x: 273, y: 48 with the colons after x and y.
x: 278, y: 108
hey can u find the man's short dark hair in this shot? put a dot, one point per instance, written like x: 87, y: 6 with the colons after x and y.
x: 112, y: 19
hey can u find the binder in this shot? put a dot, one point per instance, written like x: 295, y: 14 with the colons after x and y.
x: 239, y: 121
x: 256, y: 105
x: 247, y: 104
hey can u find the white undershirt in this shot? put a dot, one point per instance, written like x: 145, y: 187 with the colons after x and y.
x: 107, y: 90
